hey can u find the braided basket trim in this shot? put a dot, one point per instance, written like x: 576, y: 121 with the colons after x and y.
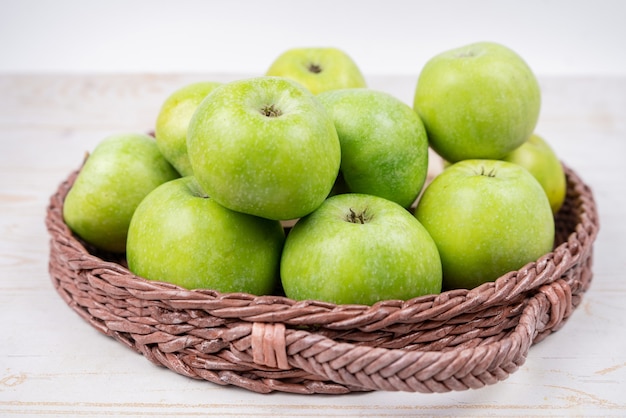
x: 456, y: 340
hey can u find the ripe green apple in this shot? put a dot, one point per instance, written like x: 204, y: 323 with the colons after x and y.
x: 173, y: 120
x: 264, y: 146
x: 359, y: 249
x: 318, y: 69
x: 384, y: 148
x: 119, y: 173
x: 487, y: 217
x: 539, y: 158
x: 478, y: 101
x: 180, y: 235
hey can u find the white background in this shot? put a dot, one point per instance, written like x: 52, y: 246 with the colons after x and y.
x: 556, y: 37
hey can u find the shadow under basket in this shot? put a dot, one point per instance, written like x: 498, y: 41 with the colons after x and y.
x: 452, y: 341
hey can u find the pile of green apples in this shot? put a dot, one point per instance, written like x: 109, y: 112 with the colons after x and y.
x: 305, y: 182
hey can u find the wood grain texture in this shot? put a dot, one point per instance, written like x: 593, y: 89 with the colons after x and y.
x: 52, y: 363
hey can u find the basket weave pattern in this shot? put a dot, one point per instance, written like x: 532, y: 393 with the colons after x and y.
x: 456, y: 340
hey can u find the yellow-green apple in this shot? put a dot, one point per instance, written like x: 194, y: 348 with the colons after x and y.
x: 539, y: 158
x: 318, y: 69
x: 173, y: 120
x: 487, y: 217
x: 265, y: 146
x: 384, y: 148
x: 180, y: 235
x: 118, y: 174
x: 478, y: 101
x: 359, y: 249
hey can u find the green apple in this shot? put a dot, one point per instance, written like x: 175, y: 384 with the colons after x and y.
x: 359, y: 249
x: 180, y: 235
x: 539, y: 158
x: 118, y: 174
x: 478, y: 101
x: 264, y: 146
x: 318, y: 69
x: 384, y: 148
x: 487, y: 217
x: 173, y: 120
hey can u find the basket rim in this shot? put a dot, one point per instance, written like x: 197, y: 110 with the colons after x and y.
x: 275, y: 338
x: 502, y: 290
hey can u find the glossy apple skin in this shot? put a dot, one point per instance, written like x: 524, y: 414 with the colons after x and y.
x: 331, y: 256
x: 117, y: 175
x: 173, y: 120
x: 264, y: 146
x: 384, y: 147
x: 181, y: 236
x: 478, y: 101
x: 539, y: 158
x: 318, y: 69
x: 487, y: 217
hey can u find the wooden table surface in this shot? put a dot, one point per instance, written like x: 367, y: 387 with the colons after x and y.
x: 54, y: 363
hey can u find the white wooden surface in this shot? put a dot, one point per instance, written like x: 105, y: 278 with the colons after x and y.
x: 54, y: 363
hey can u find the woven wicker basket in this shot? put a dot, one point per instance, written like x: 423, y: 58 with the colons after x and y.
x: 452, y: 341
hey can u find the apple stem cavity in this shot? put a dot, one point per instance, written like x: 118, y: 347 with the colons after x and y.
x: 196, y: 190
x: 468, y: 53
x: 358, y: 218
x: 490, y: 173
x: 315, y: 68
x: 271, y: 111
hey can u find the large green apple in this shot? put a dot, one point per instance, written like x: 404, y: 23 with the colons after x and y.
x: 173, y: 120
x: 318, y: 69
x: 487, y: 217
x: 180, y: 235
x: 359, y: 249
x: 478, y: 101
x: 117, y: 175
x: 384, y: 148
x: 539, y: 158
x: 264, y: 146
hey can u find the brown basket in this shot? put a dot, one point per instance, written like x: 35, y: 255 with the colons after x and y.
x: 452, y: 341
